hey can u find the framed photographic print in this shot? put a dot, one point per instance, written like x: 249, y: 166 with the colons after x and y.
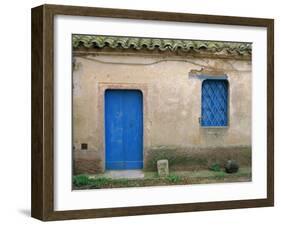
x: 141, y: 112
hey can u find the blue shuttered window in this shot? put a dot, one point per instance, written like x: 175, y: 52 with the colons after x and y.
x: 214, y: 106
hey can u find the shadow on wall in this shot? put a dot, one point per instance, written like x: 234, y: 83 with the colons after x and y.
x: 197, y: 158
x: 90, y: 166
x: 179, y: 158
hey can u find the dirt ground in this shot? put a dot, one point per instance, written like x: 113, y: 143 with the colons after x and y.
x: 152, y: 179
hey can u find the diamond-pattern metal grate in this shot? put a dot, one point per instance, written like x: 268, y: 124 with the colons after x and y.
x: 214, y: 103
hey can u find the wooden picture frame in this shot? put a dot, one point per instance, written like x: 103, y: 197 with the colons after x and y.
x: 42, y: 203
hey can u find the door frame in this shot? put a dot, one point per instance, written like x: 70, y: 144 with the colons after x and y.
x: 102, y: 87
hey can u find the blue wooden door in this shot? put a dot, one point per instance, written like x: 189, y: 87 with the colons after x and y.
x: 123, y: 129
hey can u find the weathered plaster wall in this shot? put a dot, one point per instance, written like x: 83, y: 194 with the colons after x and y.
x: 172, y: 98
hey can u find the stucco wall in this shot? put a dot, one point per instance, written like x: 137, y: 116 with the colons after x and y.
x: 171, y: 89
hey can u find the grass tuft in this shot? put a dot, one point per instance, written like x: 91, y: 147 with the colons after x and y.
x: 215, y: 167
x: 80, y: 180
x: 173, y: 178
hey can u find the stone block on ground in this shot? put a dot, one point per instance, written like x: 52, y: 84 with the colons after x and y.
x: 163, y: 167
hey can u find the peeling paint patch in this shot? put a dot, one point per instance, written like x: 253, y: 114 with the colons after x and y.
x: 207, y: 74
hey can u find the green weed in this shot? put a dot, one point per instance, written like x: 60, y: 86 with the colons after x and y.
x: 173, y: 178
x: 215, y: 167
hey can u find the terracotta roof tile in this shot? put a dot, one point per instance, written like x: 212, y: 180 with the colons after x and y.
x: 114, y: 42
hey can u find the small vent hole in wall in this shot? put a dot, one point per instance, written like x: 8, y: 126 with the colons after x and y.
x: 84, y: 146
